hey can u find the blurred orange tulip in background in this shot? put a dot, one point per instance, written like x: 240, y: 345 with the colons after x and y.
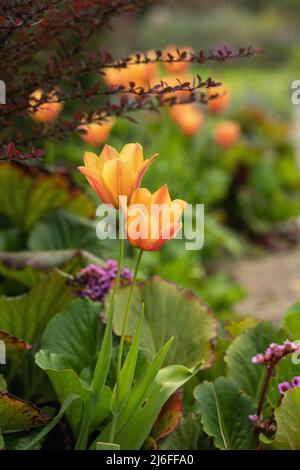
x: 95, y: 133
x: 227, y: 133
x: 140, y: 74
x: 188, y: 117
x: 219, y: 104
x: 175, y: 80
x: 176, y: 67
x: 45, y: 112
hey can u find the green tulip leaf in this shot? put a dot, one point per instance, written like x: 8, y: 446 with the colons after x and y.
x: 37, y: 439
x: 167, y: 381
x: 128, y: 369
x: 145, y: 402
x: 107, y: 446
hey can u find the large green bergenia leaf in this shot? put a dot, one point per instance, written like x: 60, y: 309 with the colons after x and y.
x: 169, y: 312
x: 26, y: 316
x: 28, y: 275
x: 169, y: 417
x: 3, y: 384
x: 34, y: 438
x: 287, y: 417
x: 70, y: 346
x: 27, y: 194
x: 12, y: 343
x: 248, y: 376
x: 30, y: 267
x: 224, y: 414
x: 19, y: 440
x: 291, y: 321
x: 188, y: 435
x: 17, y: 415
x: 14, y: 348
x: 76, y: 334
x: 284, y: 371
x: 63, y: 230
x: 38, y: 438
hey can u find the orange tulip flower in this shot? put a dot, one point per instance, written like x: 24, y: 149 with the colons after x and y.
x: 219, y: 104
x: 45, y: 112
x: 188, y: 117
x: 140, y: 74
x: 227, y: 133
x: 152, y: 219
x: 95, y: 133
x: 176, y: 67
x: 173, y: 81
x: 115, y: 174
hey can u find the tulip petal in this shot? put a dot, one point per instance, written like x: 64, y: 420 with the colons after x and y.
x: 133, y: 153
x: 176, y: 209
x: 124, y: 178
x: 117, y: 178
x: 142, y: 170
x: 161, y: 196
x: 108, y: 153
x: 179, y: 202
x: 91, y: 160
x: 123, y: 205
x: 141, y: 196
x: 137, y: 227
x: 110, y: 178
x: 95, y: 180
x: 168, y: 233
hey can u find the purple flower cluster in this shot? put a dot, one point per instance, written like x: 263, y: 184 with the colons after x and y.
x: 253, y: 419
x: 94, y: 281
x: 266, y: 427
x: 275, y: 352
x: 285, y: 386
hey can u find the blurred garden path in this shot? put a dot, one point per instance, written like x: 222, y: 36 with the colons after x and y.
x: 272, y: 284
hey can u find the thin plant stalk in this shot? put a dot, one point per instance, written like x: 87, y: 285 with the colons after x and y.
x: 121, y: 346
x: 264, y: 390
x: 261, y: 402
x: 82, y: 440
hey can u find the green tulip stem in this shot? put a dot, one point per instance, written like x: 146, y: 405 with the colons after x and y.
x: 82, y: 440
x: 121, y: 346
